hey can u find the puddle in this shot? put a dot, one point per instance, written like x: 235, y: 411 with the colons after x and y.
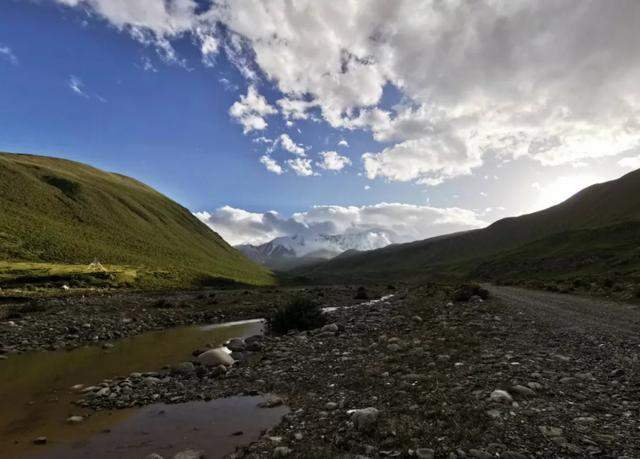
x: 35, y: 395
x: 215, y: 427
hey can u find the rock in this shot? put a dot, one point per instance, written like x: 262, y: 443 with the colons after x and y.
x: 40, y: 441
x: 150, y: 380
x: 548, y: 431
x: 185, y: 368
x: 534, y: 385
x: 281, y: 451
x: 617, y: 373
x: 189, y: 454
x: 330, y: 328
x: 154, y: 456
x: 479, y: 454
x: 107, y: 346
x: 523, y: 391
x: 75, y: 419
x: 215, y: 357
x: 331, y: 406
x: 271, y: 402
x: 425, y: 453
x: 365, y: 419
x: 501, y: 396
x: 417, y: 319
x: 236, y: 345
x: 513, y: 455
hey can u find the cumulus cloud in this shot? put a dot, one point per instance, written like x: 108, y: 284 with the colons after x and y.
x: 7, y: 54
x: 402, y: 222
x: 343, y: 143
x: 250, y: 110
x: 285, y: 142
x: 478, y: 79
x: 271, y: 164
x: 301, y: 166
x: 332, y: 161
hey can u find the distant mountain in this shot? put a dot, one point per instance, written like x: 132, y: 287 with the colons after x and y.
x: 64, y: 213
x: 293, y: 251
x: 613, y: 208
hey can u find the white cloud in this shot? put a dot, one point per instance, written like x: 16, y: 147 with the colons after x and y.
x: 285, y: 141
x: 332, y: 161
x: 631, y: 162
x: 271, y: 164
x: 403, y: 222
x: 301, y: 166
x: 478, y: 79
x: 343, y: 143
x: 251, y: 109
x: 7, y: 53
x: 77, y: 86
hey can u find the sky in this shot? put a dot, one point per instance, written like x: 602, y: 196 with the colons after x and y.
x: 273, y: 117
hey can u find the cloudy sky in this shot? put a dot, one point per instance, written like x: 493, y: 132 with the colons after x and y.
x: 271, y: 116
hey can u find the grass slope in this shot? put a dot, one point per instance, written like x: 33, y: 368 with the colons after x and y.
x: 599, y: 206
x: 55, y: 212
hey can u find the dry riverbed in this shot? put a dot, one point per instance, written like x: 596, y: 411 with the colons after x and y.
x: 417, y: 375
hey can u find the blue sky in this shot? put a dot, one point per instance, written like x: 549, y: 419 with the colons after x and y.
x: 131, y: 87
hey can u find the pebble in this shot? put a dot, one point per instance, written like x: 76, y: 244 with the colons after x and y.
x: 189, y: 454
x: 425, y: 453
x: 40, y: 441
x: 281, y: 451
x: 365, y: 419
x: 501, y: 396
x: 75, y: 419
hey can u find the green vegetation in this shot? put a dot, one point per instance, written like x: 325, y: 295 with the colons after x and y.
x: 300, y: 314
x: 57, y: 217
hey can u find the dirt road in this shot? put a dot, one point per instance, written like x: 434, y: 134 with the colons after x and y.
x: 579, y: 314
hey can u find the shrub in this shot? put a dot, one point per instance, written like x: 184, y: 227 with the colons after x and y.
x: 466, y: 291
x: 300, y: 314
x: 361, y: 294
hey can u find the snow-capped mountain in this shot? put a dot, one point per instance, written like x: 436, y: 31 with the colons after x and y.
x: 290, y: 251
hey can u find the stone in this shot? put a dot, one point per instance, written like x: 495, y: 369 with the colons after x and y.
x: 271, y: 402
x: 523, y: 391
x: 185, y: 368
x: 479, y: 454
x: 40, y: 441
x: 215, y: 357
x: 501, y: 396
x: 189, y: 454
x: 513, y: 455
x: 331, y: 406
x: 425, y: 453
x: 365, y: 419
x: 154, y: 456
x: 281, y: 451
x: 75, y: 419
x: 549, y: 431
x: 236, y: 345
x: 330, y: 328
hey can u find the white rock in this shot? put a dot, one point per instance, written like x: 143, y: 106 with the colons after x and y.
x: 75, y: 419
x: 365, y: 418
x: 215, y: 357
x: 189, y: 454
x: 501, y: 396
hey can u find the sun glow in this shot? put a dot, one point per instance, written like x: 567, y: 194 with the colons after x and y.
x: 561, y: 189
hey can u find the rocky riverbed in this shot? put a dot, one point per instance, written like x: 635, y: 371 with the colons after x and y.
x: 420, y: 376
x: 73, y: 320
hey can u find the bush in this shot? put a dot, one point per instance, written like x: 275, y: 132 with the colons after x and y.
x: 300, y: 314
x: 465, y: 292
x: 361, y: 294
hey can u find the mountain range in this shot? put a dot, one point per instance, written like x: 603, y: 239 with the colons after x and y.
x: 298, y: 250
x: 595, y: 231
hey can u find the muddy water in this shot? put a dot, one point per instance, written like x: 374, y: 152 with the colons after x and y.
x: 35, y: 394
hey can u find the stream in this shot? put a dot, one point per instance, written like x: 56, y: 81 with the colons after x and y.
x: 36, y: 400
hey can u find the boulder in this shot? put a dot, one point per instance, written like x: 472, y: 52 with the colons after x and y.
x: 215, y: 357
x: 365, y: 419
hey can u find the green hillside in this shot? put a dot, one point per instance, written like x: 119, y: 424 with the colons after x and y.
x: 599, y: 206
x: 62, y: 213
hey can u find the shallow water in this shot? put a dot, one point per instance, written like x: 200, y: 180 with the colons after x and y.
x: 35, y: 394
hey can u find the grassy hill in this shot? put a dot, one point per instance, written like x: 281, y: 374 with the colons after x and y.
x: 553, y: 234
x: 58, y: 216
